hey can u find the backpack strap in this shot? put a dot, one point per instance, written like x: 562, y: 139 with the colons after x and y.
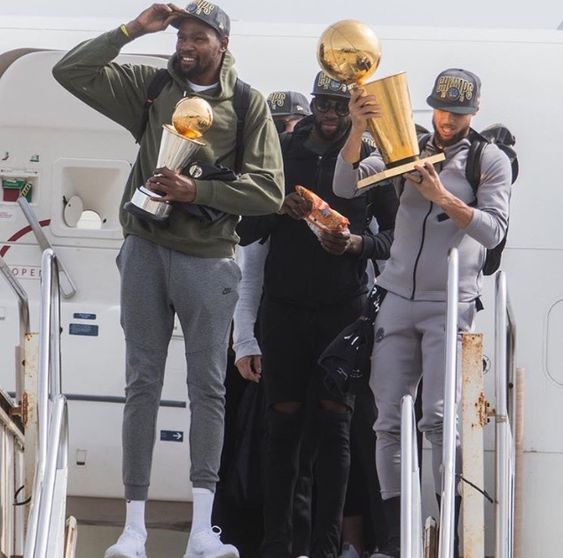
x: 423, y: 140
x: 473, y: 165
x: 498, y: 135
x: 241, y: 102
x: 157, y: 84
x: 365, y: 150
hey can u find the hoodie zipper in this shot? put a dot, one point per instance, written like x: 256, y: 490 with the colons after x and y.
x: 420, y: 250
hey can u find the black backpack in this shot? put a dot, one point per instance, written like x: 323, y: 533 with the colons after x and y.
x: 502, y: 137
x: 241, y: 102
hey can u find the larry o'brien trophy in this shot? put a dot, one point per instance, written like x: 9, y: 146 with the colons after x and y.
x: 349, y: 52
x: 192, y: 117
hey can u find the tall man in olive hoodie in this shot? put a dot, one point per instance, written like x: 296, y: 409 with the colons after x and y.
x: 187, y: 267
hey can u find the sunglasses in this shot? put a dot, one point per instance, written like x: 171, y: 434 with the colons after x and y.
x: 323, y: 104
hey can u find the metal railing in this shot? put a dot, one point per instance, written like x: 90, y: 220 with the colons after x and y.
x: 411, y: 506
x: 12, y: 518
x: 56, y: 460
x: 12, y: 441
x: 505, y: 342
x: 52, y: 418
x: 66, y: 284
x: 447, y: 522
x: 23, y: 310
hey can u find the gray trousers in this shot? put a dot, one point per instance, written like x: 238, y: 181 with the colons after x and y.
x: 410, y: 344
x: 157, y: 282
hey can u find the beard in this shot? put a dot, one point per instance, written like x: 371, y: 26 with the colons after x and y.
x: 441, y: 142
x: 334, y: 135
x: 186, y: 74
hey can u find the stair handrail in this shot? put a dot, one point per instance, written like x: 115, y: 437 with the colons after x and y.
x: 51, y: 411
x: 56, y: 459
x: 447, y: 522
x: 411, y: 505
x: 66, y: 285
x: 23, y: 311
x: 505, y: 343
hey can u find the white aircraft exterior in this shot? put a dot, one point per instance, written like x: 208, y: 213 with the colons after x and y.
x: 64, y: 149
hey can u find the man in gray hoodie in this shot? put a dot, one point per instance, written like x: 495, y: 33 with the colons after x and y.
x: 438, y: 210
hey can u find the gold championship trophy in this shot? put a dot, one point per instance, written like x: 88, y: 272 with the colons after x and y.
x: 192, y: 117
x: 349, y: 52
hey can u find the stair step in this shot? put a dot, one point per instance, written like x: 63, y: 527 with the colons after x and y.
x: 110, y: 512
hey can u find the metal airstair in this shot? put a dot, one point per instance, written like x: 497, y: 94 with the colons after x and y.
x: 34, y: 434
x: 34, y: 438
x: 13, y: 419
x: 464, y: 360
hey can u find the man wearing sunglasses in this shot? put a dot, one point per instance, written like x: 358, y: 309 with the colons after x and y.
x: 287, y: 109
x: 312, y: 288
x: 324, y: 104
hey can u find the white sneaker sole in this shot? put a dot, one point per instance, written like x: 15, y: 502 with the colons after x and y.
x: 217, y: 554
x: 118, y: 554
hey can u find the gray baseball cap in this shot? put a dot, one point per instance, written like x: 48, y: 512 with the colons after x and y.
x: 456, y: 90
x: 207, y: 13
x: 288, y: 103
x: 325, y: 85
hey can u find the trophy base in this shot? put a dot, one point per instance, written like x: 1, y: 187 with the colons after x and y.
x: 144, y: 206
x: 144, y: 215
x: 396, y: 171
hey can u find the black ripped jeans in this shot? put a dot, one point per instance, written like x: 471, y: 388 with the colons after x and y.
x: 308, y: 440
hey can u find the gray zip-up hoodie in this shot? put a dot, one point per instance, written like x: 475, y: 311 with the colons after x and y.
x: 418, y: 266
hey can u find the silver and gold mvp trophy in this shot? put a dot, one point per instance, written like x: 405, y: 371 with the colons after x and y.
x: 192, y: 117
x: 349, y: 52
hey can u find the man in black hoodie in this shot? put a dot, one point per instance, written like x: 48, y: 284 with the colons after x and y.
x: 313, y: 288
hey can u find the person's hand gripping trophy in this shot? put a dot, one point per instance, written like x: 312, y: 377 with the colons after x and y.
x: 180, y: 140
x: 349, y: 52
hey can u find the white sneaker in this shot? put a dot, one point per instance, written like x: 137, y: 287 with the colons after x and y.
x: 207, y: 544
x: 349, y: 551
x: 130, y: 544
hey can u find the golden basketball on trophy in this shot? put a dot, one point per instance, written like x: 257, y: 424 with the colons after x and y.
x: 349, y: 51
x: 192, y: 117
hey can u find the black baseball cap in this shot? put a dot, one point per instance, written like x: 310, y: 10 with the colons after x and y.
x: 456, y: 90
x: 208, y: 13
x: 325, y: 85
x: 288, y: 103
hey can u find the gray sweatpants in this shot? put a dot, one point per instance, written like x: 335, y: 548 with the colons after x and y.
x: 157, y: 282
x: 410, y: 344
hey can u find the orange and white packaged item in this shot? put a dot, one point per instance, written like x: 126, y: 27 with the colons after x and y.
x: 322, y: 216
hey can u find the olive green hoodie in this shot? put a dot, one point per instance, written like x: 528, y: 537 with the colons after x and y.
x: 119, y: 92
